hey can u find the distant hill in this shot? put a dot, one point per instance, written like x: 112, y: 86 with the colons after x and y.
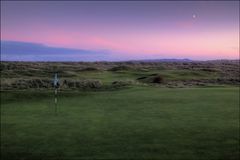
x: 189, y: 60
x: 165, y: 60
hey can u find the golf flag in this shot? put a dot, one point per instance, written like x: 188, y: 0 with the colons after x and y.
x: 56, y: 81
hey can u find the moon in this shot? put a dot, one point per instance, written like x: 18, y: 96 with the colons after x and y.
x: 194, y: 16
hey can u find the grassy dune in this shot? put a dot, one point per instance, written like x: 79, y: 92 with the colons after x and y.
x: 133, y: 123
x: 38, y: 75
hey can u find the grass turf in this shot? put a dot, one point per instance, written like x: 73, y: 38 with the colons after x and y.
x: 109, y: 76
x: 135, y: 123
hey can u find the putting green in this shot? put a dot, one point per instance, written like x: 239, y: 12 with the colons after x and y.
x: 133, y: 123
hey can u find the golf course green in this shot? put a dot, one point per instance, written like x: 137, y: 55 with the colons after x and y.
x: 131, y: 123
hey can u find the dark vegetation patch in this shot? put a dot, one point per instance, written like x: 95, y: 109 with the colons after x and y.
x: 209, y: 70
x: 157, y: 79
x: 140, y: 78
x: 90, y: 69
x: 153, y: 78
x: 120, y: 68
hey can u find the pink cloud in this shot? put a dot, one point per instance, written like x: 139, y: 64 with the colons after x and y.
x: 177, y: 43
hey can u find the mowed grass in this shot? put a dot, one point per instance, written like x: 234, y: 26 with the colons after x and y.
x: 134, y: 123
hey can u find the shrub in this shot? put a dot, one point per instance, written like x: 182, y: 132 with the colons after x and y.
x: 81, y: 84
x: 157, y: 79
x: 153, y: 78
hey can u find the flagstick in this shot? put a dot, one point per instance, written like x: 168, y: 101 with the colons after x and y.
x: 55, y: 101
x: 56, y: 85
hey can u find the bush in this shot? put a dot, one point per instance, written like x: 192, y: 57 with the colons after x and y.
x: 48, y: 84
x: 157, y: 79
x: 81, y: 84
x: 153, y: 78
x: 25, y: 83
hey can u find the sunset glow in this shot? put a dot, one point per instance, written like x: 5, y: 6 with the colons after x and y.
x: 126, y: 30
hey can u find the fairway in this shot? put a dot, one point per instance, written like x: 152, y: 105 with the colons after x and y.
x: 132, y: 123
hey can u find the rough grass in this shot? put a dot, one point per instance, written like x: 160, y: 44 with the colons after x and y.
x: 175, y: 74
x: 135, y: 123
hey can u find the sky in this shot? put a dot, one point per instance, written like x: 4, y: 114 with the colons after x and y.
x: 115, y: 31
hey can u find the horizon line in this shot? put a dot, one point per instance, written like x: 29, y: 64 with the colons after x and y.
x: 133, y: 60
